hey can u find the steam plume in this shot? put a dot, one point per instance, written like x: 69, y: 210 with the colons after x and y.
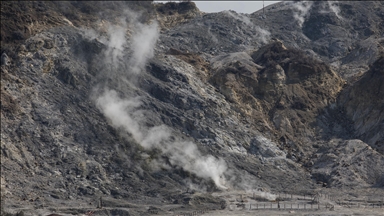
x: 334, y: 8
x: 213, y: 37
x: 240, y: 17
x: 116, y: 43
x: 143, y: 43
x: 181, y: 153
x: 262, y: 34
x: 302, y: 8
x: 125, y: 113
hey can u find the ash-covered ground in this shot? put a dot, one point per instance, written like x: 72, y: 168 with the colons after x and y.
x: 136, y: 108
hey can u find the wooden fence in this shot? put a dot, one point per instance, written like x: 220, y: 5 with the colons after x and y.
x: 280, y: 206
x: 194, y: 213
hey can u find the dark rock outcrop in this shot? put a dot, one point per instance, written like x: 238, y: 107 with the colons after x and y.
x: 364, y: 104
x: 282, y: 89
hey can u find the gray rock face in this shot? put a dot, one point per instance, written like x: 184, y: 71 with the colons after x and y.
x: 364, y: 105
x: 266, y: 148
x: 346, y: 165
x: 5, y: 59
x: 97, y: 102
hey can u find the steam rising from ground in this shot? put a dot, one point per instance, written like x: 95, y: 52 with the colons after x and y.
x: 116, y: 43
x: 184, y: 154
x: 266, y: 195
x: 213, y: 37
x: 334, y: 8
x: 125, y: 113
x: 302, y: 8
x: 262, y: 34
x: 240, y: 17
x: 143, y: 43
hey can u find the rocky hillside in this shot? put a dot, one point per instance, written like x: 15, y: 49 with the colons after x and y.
x: 153, y: 107
x: 367, y: 115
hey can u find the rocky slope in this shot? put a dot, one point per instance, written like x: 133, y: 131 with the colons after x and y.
x: 367, y: 115
x: 340, y: 33
x: 155, y: 109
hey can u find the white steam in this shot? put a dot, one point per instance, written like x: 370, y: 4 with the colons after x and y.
x: 184, y: 154
x: 213, y: 37
x: 125, y: 113
x: 334, y: 8
x: 240, y: 17
x: 262, y: 35
x: 302, y: 9
x: 115, y: 109
x: 116, y: 43
x: 90, y: 33
x: 266, y: 195
x: 143, y: 43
